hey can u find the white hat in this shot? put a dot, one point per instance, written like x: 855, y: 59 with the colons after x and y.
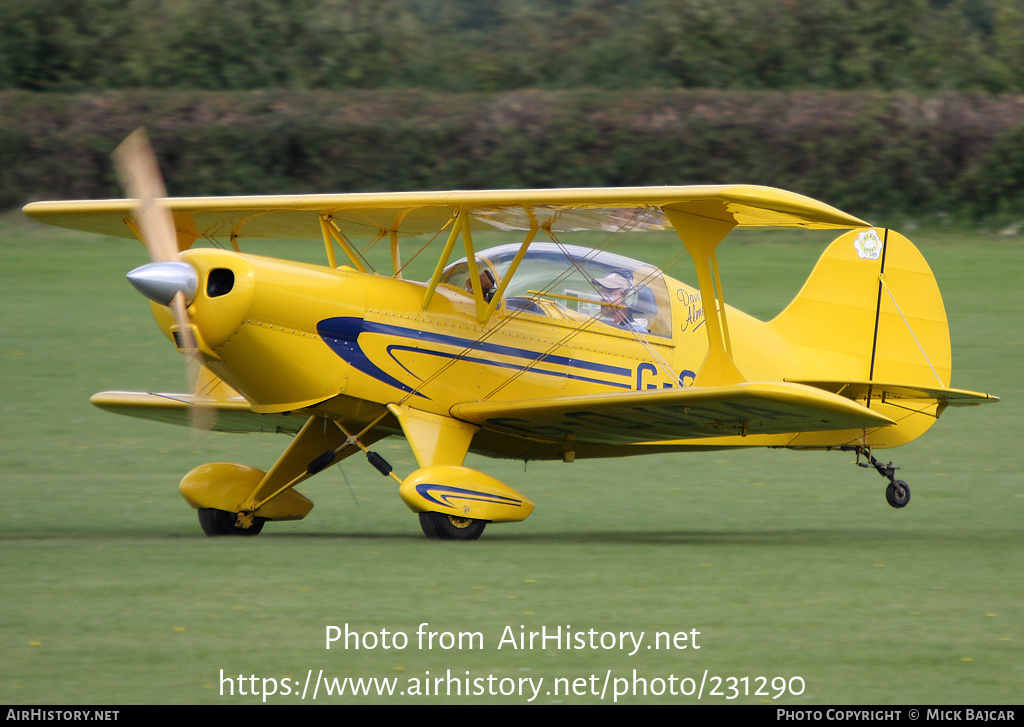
x: 614, y: 281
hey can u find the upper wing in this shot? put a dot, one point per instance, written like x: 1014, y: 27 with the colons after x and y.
x: 414, y: 213
x: 671, y: 414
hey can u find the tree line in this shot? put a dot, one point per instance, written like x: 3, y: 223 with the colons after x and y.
x: 502, y: 45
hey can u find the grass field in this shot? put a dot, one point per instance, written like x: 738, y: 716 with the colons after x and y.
x: 787, y: 564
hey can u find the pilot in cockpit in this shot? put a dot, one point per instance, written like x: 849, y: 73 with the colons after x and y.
x: 616, y: 288
x: 487, y: 284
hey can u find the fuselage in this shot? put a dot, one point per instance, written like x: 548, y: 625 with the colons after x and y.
x: 291, y: 336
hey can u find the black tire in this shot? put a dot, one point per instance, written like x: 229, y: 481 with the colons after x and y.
x: 897, y: 494
x: 439, y: 526
x: 220, y: 522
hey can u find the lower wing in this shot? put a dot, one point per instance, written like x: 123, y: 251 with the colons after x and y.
x: 233, y: 414
x: 672, y: 414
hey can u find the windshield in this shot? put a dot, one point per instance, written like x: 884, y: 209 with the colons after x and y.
x: 553, y: 278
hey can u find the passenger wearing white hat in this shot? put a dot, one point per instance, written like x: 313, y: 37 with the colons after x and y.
x: 614, y: 289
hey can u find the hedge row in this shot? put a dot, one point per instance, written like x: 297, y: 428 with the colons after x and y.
x: 863, y: 152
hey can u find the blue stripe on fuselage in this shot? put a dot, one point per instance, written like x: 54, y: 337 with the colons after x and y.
x: 341, y: 335
x: 499, y: 364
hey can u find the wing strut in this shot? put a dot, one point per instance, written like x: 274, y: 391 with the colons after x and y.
x: 396, y: 255
x: 484, y: 309
x: 503, y: 283
x: 701, y: 236
x: 329, y: 230
x: 453, y: 236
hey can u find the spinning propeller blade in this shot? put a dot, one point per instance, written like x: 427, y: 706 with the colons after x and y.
x: 165, y: 280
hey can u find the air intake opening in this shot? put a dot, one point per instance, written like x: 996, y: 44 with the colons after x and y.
x: 219, y: 282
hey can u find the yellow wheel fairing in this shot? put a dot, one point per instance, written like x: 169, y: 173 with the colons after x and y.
x: 463, y: 493
x: 227, y: 486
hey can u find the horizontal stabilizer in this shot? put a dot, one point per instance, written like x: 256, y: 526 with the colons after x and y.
x: 672, y: 414
x: 863, y: 390
x: 233, y: 414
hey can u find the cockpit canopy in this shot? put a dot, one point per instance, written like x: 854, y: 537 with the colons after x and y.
x: 570, y: 282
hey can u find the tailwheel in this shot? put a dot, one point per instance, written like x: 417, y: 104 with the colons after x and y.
x: 220, y: 522
x: 897, y: 494
x: 439, y: 526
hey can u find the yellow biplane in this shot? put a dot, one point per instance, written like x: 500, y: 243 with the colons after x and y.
x: 532, y: 350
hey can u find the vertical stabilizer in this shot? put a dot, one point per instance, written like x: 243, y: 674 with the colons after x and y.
x: 871, y: 312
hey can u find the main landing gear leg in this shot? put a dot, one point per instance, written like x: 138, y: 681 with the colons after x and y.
x: 897, y: 494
